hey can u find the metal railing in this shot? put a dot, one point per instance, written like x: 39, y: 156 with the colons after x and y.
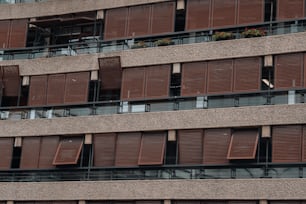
x: 20, y: 1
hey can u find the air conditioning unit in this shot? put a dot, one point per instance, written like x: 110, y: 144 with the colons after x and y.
x: 4, y: 115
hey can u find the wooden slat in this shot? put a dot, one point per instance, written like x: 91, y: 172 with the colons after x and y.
x: 165, y: 13
x: 110, y: 73
x: 104, y: 149
x: 133, y: 84
x: 250, y: 12
x: 18, y: 33
x: 48, y: 149
x: 290, y: 9
x: 68, y: 151
x: 4, y: 33
x: 11, y: 80
x: 56, y: 89
x: 6, y: 152
x: 30, y: 153
x: 152, y: 148
x: 38, y: 90
x: 223, y: 13
x: 115, y: 23
x: 198, y: 14
x: 76, y: 87
x: 139, y: 21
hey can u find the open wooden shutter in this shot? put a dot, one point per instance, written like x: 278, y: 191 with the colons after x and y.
x: 286, y: 143
x: 110, y: 73
x: 76, y: 87
x: 250, y: 12
x: 133, y: 84
x: 38, y: 90
x: 243, y: 144
x: 198, y: 14
x: 165, y: 13
x: 190, y: 146
x: 223, y: 13
x: 115, y: 23
x: 48, y: 149
x: 68, y: 151
x: 11, y: 80
x: 194, y: 77
x: 30, y: 153
x: 6, y: 152
x: 18, y: 33
x: 152, y: 148
x: 104, y: 149
x: 4, y: 33
x: 215, y: 146
x: 289, y: 9
x: 56, y: 89
x: 139, y: 20
x: 127, y: 149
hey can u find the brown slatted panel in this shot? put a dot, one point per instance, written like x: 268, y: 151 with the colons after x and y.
x: 163, y: 15
x: 139, y: 20
x: 11, y: 80
x: 127, y: 149
x: 76, y: 87
x: 194, y: 77
x: 243, y: 144
x: 190, y: 146
x: 18, y: 34
x: 247, y: 74
x: 68, y: 151
x: 220, y: 76
x: 152, y: 148
x: 47, y: 151
x: 157, y: 81
x: 56, y: 89
x: 133, y: 84
x: 4, y: 33
x: 1, y: 81
x: 38, y: 90
x: 250, y: 12
x: 288, y: 9
x: 304, y: 144
x: 198, y: 14
x: 223, y: 13
x: 110, y: 73
x: 215, y: 147
x: 30, y: 153
x: 286, y: 143
x: 6, y: 152
x: 288, y: 70
x: 104, y: 149
x: 115, y: 23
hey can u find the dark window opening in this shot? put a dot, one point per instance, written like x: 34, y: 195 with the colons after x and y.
x: 85, y: 160
x: 180, y: 20
x: 16, y: 157
x: 171, y: 149
x: 267, y: 78
x: 92, y: 93
x: 270, y: 10
x: 175, y: 84
x: 107, y: 95
x: 23, y: 100
x: 8, y: 101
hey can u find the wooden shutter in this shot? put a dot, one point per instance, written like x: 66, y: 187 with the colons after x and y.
x: 289, y: 9
x: 286, y: 143
x: 215, y: 146
x: 194, y: 77
x: 104, y: 149
x: 223, y: 13
x: 38, y: 90
x: 152, y: 148
x: 68, y: 151
x: 30, y: 153
x: 288, y: 70
x: 243, y: 144
x: 6, y: 152
x: 304, y: 145
x: 198, y: 14
x: 163, y: 15
x: 4, y: 33
x: 48, y: 149
x: 76, y: 87
x: 247, y: 73
x: 56, y: 89
x: 220, y: 76
x: 110, y: 73
x: 115, y: 23
x: 11, y: 80
x: 157, y: 81
x: 133, y: 84
x: 250, y: 12
x: 190, y: 146
x: 127, y: 149
x: 139, y: 20
x: 18, y: 33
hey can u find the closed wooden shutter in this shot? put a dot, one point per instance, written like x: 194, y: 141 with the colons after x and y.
x: 304, y: 145
x: 250, y: 12
x: 243, y: 144
x: 38, y: 90
x: 68, y: 151
x: 4, y: 33
x: 139, y: 20
x: 157, y: 81
x: 223, y: 13
x: 48, y: 149
x: 110, y: 73
x: 56, y: 89
x: 152, y: 148
x: 11, y: 80
x: 6, y: 152
x: 289, y: 9
x: 288, y: 70
x: 115, y: 23
x: 220, y: 76
x: 190, y: 146
x: 163, y: 15
x: 286, y: 143
x: 104, y: 149
x: 194, y: 78
x: 30, y: 153
x: 247, y: 73
x: 127, y: 149
x: 76, y: 87
x: 18, y: 33
x: 198, y: 14
x: 215, y: 146
x: 133, y: 84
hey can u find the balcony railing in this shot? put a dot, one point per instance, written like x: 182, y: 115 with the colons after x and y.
x: 20, y: 1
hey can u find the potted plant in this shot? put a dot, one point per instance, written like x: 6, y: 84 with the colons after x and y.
x: 223, y: 36
x: 164, y: 42
x: 140, y: 44
x: 253, y: 32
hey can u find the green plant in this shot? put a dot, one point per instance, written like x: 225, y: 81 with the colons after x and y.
x: 164, y: 42
x: 253, y: 32
x: 140, y: 44
x: 223, y: 36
